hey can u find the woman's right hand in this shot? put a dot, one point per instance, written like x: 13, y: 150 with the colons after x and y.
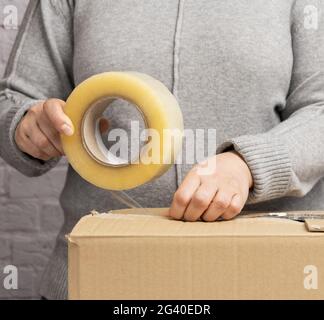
x: 38, y: 133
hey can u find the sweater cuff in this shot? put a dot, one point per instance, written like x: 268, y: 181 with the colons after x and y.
x: 269, y: 162
x: 10, y: 152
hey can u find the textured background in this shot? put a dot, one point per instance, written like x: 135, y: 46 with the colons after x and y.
x: 30, y: 216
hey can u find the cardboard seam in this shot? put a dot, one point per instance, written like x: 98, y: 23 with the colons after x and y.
x: 310, y: 236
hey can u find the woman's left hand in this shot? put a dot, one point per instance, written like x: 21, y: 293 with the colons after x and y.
x: 217, y: 188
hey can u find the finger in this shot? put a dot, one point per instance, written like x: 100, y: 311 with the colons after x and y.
x: 104, y: 125
x: 218, y: 206
x: 200, y: 201
x: 26, y: 146
x: 61, y: 122
x: 234, y: 209
x: 38, y: 139
x: 51, y: 133
x: 183, y: 195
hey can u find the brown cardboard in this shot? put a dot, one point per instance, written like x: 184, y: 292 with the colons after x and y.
x: 315, y: 225
x: 127, y: 255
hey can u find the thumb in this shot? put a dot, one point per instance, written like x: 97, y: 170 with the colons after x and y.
x: 53, y: 109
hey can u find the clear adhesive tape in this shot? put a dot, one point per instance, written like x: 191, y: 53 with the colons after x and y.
x: 160, y: 111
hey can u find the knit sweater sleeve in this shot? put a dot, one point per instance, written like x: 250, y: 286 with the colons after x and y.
x: 289, y: 159
x: 39, y: 67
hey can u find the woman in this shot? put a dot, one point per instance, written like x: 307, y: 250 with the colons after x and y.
x: 251, y: 68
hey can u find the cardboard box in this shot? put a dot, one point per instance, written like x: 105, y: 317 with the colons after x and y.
x: 127, y: 255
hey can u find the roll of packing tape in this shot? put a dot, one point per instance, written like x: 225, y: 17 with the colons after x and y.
x: 85, y: 150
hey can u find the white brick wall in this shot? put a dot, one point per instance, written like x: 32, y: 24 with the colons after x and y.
x: 30, y: 216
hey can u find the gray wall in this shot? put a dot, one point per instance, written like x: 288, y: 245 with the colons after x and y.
x: 30, y: 216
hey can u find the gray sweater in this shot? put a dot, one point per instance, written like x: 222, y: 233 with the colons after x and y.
x: 252, y: 69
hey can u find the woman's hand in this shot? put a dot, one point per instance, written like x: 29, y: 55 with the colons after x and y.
x: 38, y: 133
x: 222, y: 193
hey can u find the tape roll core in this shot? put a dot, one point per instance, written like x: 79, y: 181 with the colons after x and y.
x: 85, y: 106
x: 93, y: 143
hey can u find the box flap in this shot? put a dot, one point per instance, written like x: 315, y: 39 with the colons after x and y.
x: 135, y: 223
x: 315, y: 225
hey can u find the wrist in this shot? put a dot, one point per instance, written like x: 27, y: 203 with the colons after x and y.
x: 245, y: 168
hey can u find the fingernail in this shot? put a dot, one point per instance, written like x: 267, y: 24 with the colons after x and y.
x: 67, y: 130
